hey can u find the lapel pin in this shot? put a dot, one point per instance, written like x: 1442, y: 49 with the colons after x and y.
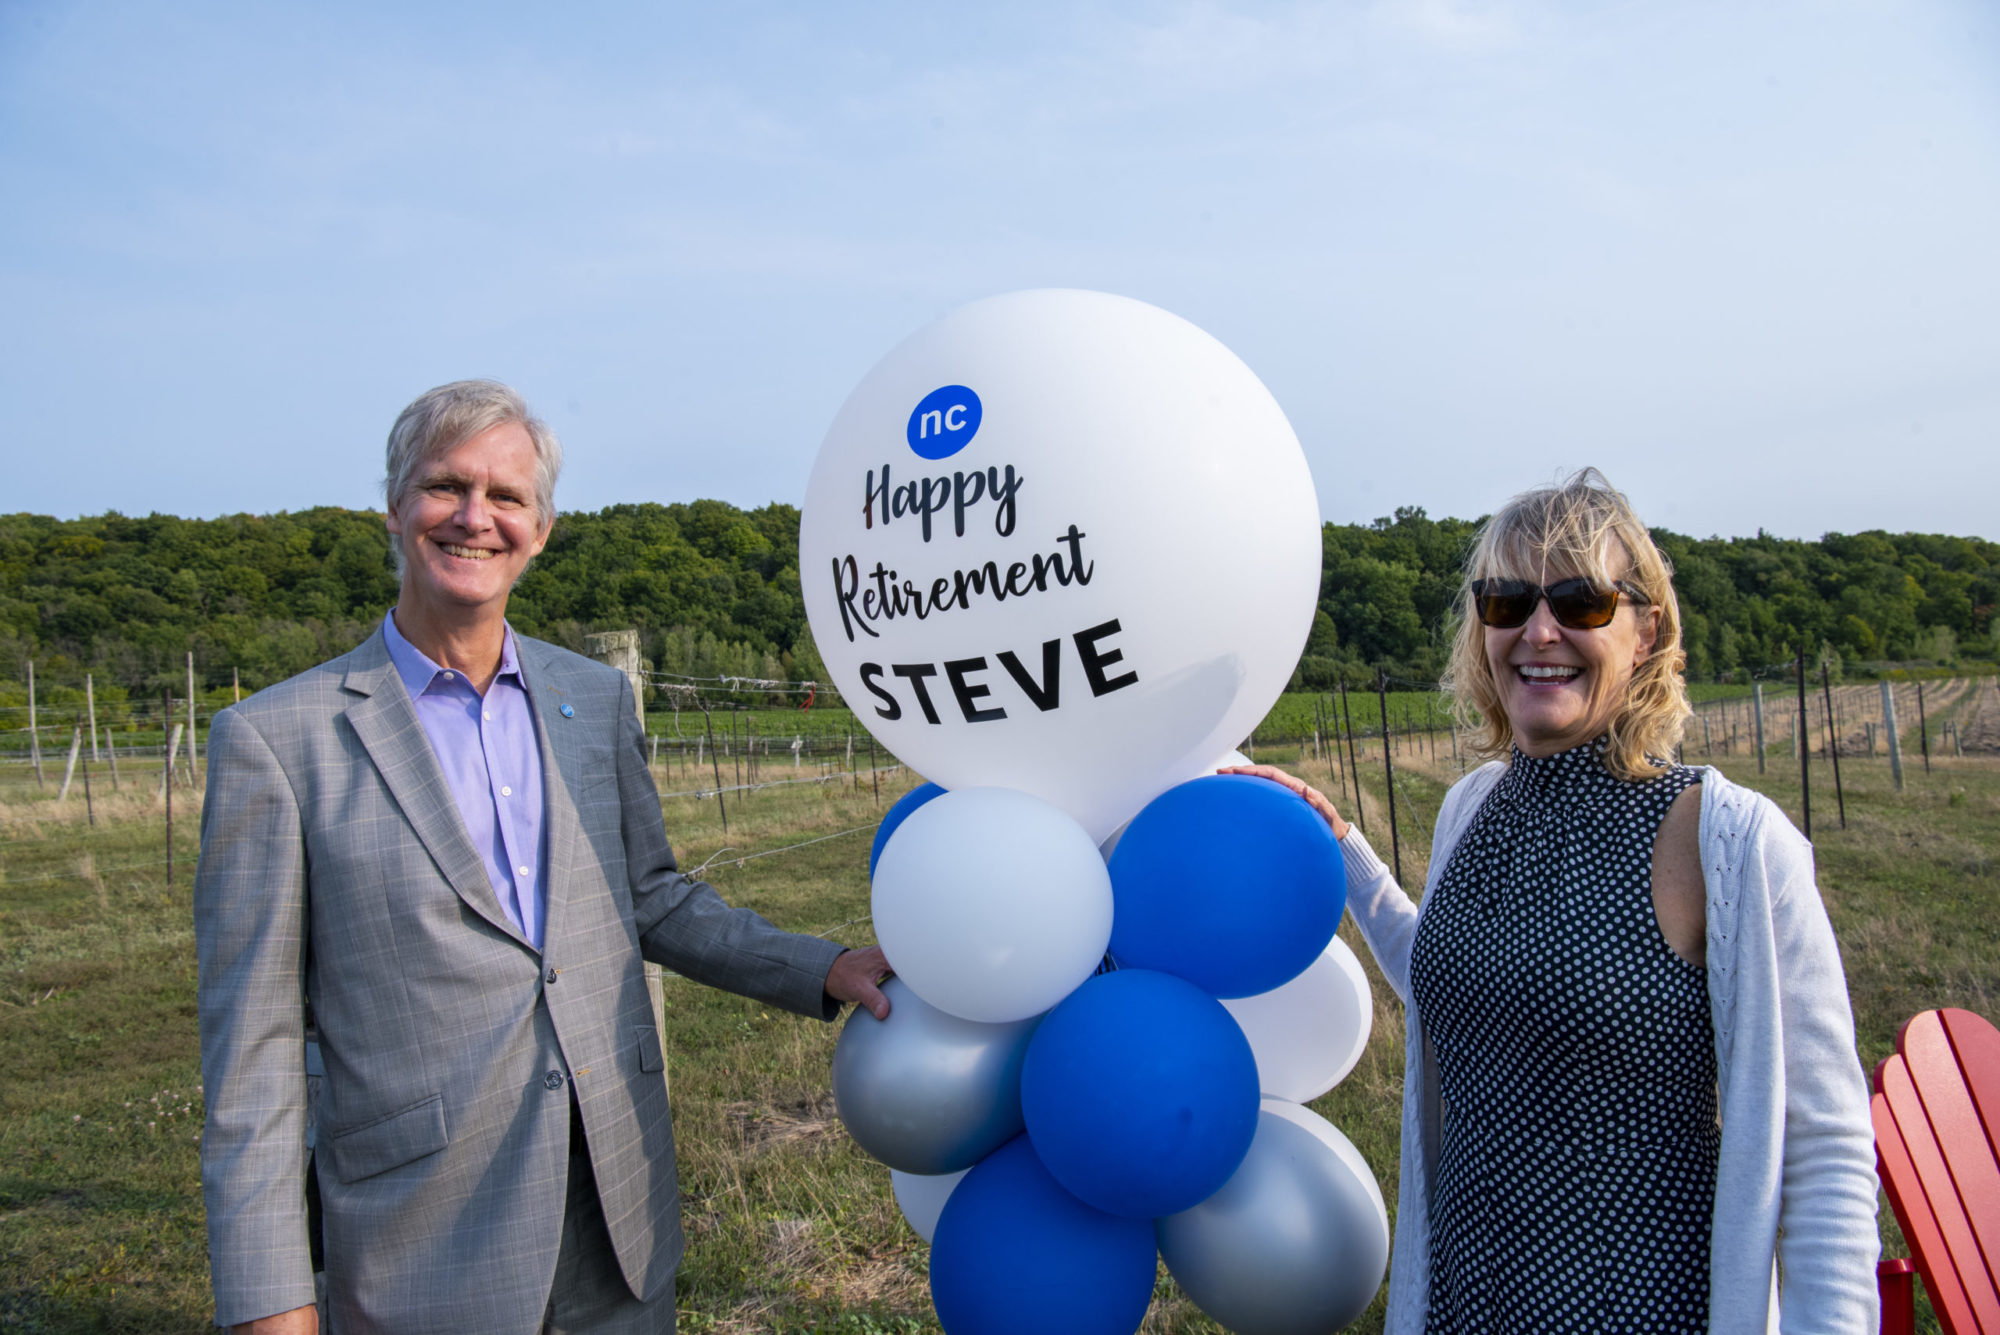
x: 569, y: 711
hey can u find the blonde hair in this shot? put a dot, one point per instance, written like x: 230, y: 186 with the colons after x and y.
x: 1580, y: 526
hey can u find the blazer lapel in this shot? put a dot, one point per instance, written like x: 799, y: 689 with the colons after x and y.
x: 387, y: 724
x: 563, y: 765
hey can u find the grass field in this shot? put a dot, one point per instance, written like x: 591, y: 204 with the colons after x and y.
x: 791, y: 1229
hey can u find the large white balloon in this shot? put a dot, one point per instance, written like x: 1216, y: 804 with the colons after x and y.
x: 991, y: 904
x: 1231, y: 759
x: 1309, y: 1033
x: 1061, y: 542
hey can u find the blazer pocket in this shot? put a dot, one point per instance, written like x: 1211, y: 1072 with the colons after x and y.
x: 650, y: 1056
x: 389, y: 1142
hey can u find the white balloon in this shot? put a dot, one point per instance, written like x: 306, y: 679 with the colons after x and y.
x: 921, y: 1198
x: 1339, y: 1144
x: 991, y: 904
x: 1308, y: 1034
x: 1061, y: 542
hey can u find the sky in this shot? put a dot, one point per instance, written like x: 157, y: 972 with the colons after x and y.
x: 1739, y: 256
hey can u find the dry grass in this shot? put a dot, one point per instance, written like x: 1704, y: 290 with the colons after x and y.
x: 790, y: 1227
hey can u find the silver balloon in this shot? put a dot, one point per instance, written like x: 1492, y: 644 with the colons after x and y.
x: 925, y: 1091
x: 1294, y: 1244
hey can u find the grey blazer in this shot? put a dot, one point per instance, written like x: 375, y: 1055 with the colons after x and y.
x: 335, y: 868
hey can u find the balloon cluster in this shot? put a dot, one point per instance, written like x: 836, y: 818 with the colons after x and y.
x: 1053, y: 1120
x: 1060, y: 550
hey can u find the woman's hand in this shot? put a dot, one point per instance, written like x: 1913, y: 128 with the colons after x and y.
x: 1314, y: 797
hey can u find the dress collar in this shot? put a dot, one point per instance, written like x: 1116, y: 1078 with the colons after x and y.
x: 1547, y: 776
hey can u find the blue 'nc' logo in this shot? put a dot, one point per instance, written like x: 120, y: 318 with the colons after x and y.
x: 944, y: 422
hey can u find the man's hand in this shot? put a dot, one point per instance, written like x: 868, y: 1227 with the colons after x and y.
x: 856, y: 975
x: 298, y: 1321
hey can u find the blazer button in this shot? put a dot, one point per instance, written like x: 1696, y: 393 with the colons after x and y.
x: 550, y: 977
x: 554, y: 1079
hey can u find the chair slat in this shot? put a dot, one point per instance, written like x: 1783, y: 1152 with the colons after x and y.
x: 1977, y: 1044
x: 1913, y: 1211
x: 1934, y: 1175
x: 1942, y: 1081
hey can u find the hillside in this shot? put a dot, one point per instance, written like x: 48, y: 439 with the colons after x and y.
x: 715, y: 590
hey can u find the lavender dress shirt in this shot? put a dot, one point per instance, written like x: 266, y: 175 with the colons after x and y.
x: 493, y: 761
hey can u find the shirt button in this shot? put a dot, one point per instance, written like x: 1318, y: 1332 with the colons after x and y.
x: 487, y: 716
x: 449, y: 677
x: 524, y: 871
x: 554, y: 1080
x: 506, y: 791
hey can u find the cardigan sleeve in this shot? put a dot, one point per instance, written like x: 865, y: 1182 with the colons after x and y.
x: 1383, y: 910
x: 1828, y: 1242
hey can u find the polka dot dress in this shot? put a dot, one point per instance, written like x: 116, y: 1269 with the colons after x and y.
x: 1575, y: 1182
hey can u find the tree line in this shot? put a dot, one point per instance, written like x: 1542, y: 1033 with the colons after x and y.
x: 715, y: 591
x: 1859, y: 600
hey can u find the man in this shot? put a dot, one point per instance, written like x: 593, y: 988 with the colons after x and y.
x: 448, y: 845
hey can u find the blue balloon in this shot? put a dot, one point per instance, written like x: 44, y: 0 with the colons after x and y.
x: 897, y: 814
x: 1014, y: 1252
x: 1140, y: 1093
x: 1228, y: 881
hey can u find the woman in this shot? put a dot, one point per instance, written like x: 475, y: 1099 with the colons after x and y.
x: 1631, y: 1082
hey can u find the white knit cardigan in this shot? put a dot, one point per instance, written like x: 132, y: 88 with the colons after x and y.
x: 1796, y: 1182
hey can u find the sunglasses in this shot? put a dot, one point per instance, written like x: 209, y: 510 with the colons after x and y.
x: 1579, y: 604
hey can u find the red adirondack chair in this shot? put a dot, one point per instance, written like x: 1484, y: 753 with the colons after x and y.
x: 1937, y: 1147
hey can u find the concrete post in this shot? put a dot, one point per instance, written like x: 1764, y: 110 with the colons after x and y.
x: 69, y: 766
x: 167, y: 762
x: 620, y: 649
x: 1889, y: 726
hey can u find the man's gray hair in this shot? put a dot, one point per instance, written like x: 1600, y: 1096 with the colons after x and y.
x: 443, y: 418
